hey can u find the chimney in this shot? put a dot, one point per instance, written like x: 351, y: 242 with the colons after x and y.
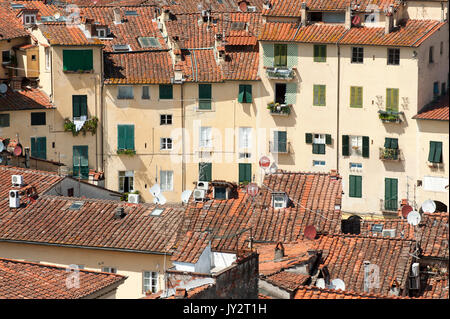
x: 303, y: 13
x: 366, y: 265
x: 117, y: 17
x: 219, y: 46
x: 348, y: 18
x: 279, y: 252
x: 389, y: 21
x: 119, y: 213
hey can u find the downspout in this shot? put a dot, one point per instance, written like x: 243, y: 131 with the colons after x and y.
x: 102, y: 121
x: 183, y: 162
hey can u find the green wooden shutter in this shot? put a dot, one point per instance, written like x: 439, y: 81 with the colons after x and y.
x: 80, y: 161
x: 129, y: 141
x: 75, y: 60
x: 355, y: 96
x: 292, y: 55
x: 79, y: 105
x: 390, y: 194
x: 245, y: 93
x: 121, y: 137
x: 365, y: 146
x: 204, y: 96
x: 308, y: 138
x: 291, y: 93
x: 392, y: 100
x: 432, y: 151
x: 394, y: 143
x: 387, y: 142
x: 319, y: 95
x: 281, y: 141
x: 245, y: 173
x: 355, y: 186
x: 33, y: 147
x: 165, y: 92
x: 205, y: 172
x: 268, y: 54
x: 328, y: 139
x: 438, y: 154
x: 39, y: 147
x: 345, y: 145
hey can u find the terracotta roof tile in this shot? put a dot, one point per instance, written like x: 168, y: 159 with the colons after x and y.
x: 241, y: 63
x: 292, y: 32
x: 435, y: 287
x: 10, y: 27
x: 311, y: 292
x: 200, y: 66
x: 288, y: 280
x: 435, y: 111
x: 59, y: 33
x: 25, y: 99
x: 27, y: 280
x: 192, y: 246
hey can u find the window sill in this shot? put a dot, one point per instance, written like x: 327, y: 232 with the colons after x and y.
x: 78, y: 72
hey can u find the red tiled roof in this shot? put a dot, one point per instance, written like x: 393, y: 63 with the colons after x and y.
x: 59, y: 33
x: 241, y: 63
x: 44, y: 9
x: 288, y: 280
x: 27, y: 280
x: 138, y: 68
x: 25, y: 99
x: 343, y: 255
x: 92, y: 225
x: 435, y: 287
x: 292, y: 32
x: 401, y: 226
x: 10, y: 27
x: 192, y: 246
x: 311, y: 292
x: 435, y: 111
x: 200, y: 66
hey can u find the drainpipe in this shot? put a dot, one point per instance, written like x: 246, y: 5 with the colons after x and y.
x: 183, y: 162
x: 101, y: 120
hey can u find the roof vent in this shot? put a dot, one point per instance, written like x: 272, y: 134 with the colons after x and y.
x: 119, y: 213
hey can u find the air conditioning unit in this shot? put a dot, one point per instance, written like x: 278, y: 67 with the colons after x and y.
x: 388, y: 232
x: 17, y: 180
x: 14, y: 199
x: 202, y: 185
x: 133, y: 198
x: 199, y: 195
x: 415, y: 269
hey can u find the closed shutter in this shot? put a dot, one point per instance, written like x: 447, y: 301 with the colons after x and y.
x: 33, y: 147
x: 356, y: 96
x: 39, y: 147
x: 292, y: 55
x: 204, y: 96
x: 355, y: 186
x: 308, y: 138
x: 345, y: 145
x: 291, y: 93
x: 121, y: 137
x: 390, y: 194
x: 80, y: 161
x: 165, y: 92
x: 319, y: 95
x: 435, y: 155
x: 268, y: 54
x: 280, y: 140
x: 394, y: 143
x: 245, y: 93
x: 79, y: 105
x: 392, y: 100
x: 205, y: 172
x: 328, y: 139
x: 76, y: 60
x: 318, y: 149
x: 365, y: 146
x: 245, y: 173
x: 130, y: 137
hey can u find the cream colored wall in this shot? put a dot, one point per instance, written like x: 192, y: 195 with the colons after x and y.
x: 427, y: 9
x: 127, y: 263
x: 8, y: 45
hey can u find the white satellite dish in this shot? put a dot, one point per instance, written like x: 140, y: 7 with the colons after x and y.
x: 2, y: 146
x: 3, y: 88
x: 337, y: 284
x: 155, y: 190
x: 429, y: 206
x: 160, y: 199
x: 273, y: 168
x: 414, y: 218
x: 57, y: 15
x: 320, y: 283
x: 185, y: 196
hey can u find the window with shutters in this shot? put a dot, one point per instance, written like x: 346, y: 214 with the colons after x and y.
x: 320, y: 53
x: 393, y: 57
x: 319, y: 97
x: 245, y: 173
x: 166, y: 180
x: 165, y: 143
x: 125, y: 92
x: 390, y: 194
x: 4, y: 120
x: 38, y: 118
x: 279, y: 144
x: 125, y: 137
x: 126, y: 181
x: 146, y: 92
x: 318, y: 145
x: 77, y: 60
x: 80, y: 161
x: 355, y: 145
x: 280, y: 55
x: 204, y: 172
x: 356, y: 96
x: 149, y: 281
x: 435, y: 154
x: 79, y: 106
x: 390, y: 150
x: 204, y: 97
x: 357, y: 55
x: 39, y: 147
x: 165, y: 92
x: 392, y: 100
x: 355, y: 186
x: 245, y: 93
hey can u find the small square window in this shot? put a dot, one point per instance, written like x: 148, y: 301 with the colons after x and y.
x: 393, y: 56
x: 111, y: 270
x: 38, y: 118
x: 279, y: 200
x: 357, y: 55
x: 4, y: 120
x: 101, y: 33
x: 318, y: 163
x: 6, y: 56
x: 156, y: 212
x: 166, y: 143
x: 165, y: 119
x: 33, y: 57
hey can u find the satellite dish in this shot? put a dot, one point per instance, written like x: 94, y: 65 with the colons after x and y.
x: 3, y: 88
x: 320, y: 283
x: 57, y: 15
x: 310, y: 232
x: 160, y: 199
x: 155, y: 190
x: 17, y: 150
x: 406, y: 210
x: 252, y: 189
x: 185, y: 196
x: 337, y: 284
x: 429, y: 206
x: 414, y: 218
x: 264, y: 162
x: 273, y: 168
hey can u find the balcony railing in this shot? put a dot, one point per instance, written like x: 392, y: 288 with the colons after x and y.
x: 280, y: 148
x: 390, y: 205
x: 390, y: 116
x: 279, y: 109
x: 389, y: 154
x: 280, y: 73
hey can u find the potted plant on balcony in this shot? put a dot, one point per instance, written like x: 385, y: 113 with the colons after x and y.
x: 126, y: 152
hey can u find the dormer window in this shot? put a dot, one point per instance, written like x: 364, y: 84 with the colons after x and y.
x: 29, y: 18
x: 101, y: 33
x: 220, y: 192
x: 279, y: 200
x: 121, y: 47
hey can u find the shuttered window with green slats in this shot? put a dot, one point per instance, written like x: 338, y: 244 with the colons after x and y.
x: 80, y: 161
x: 125, y: 140
x: 356, y: 96
x: 392, y: 100
x: 319, y: 95
x: 39, y: 147
x: 390, y: 194
x: 204, y: 172
x: 291, y: 93
x: 391, y: 143
x: 204, y: 96
x: 345, y: 145
x: 280, y: 141
x: 268, y: 54
x: 280, y: 55
x: 308, y: 138
x: 320, y: 53
x: 365, y: 146
x: 165, y: 92
x: 355, y: 186
x: 79, y: 105
x: 245, y: 173
x: 435, y: 154
x: 77, y: 60
x: 245, y: 93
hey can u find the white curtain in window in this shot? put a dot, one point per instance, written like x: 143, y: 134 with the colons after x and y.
x: 245, y: 137
x: 205, y: 136
x: 166, y: 180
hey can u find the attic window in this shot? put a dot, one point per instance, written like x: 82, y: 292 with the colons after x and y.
x: 220, y: 192
x: 17, y: 6
x: 157, y: 212
x: 76, y: 205
x: 238, y: 25
x: 149, y: 42
x: 279, y: 200
x: 101, y: 32
x: 131, y: 13
x: 29, y: 18
x: 121, y: 47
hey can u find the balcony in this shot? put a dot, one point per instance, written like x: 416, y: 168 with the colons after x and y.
x: 279, y: 109
x: 280, y: 73
x: 389, y: 154
x: 280, y: 148
x: 390, y: 116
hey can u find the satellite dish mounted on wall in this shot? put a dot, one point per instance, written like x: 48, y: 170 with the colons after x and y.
x: 429, y: 206
x: 414, y: 218
x: 185, y: 196
x: 155, y: 190
x: 17, y: 150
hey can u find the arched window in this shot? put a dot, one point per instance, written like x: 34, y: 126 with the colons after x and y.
x: 351, y: 225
